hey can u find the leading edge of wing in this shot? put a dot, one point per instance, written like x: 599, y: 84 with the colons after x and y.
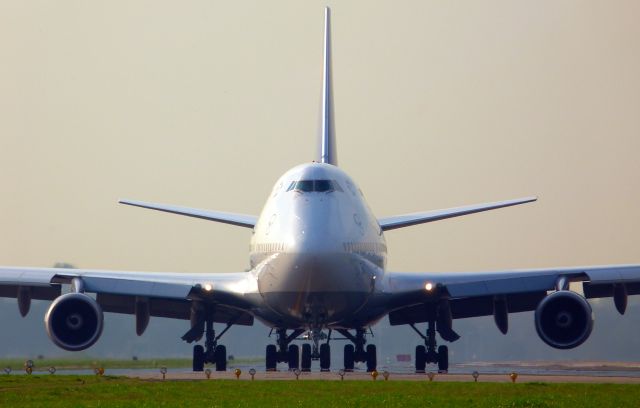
x: 406, y: 220
x: 151, y: 284
x: 468, y: 284
x: 241, y: 220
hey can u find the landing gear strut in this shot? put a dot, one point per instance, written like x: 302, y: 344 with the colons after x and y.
x: 212, y: 352
x: 284, y: 352
x: 356, y: 352
x: 428, y: 353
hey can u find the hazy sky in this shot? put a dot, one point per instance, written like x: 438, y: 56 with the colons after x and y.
x: 207, y: 103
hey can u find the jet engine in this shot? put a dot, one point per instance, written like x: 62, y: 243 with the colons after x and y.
x: 564, y: 319
x: 74, y: 321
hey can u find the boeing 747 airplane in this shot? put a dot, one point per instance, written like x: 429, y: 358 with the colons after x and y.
x: 318, y: 266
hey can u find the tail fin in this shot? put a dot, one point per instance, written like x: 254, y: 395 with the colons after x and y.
x: 327, y: 151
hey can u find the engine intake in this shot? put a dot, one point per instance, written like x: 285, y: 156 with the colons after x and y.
x: 564, y: 319
x: 74, y: 321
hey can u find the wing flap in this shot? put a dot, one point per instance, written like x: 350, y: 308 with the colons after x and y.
x: 137, y: 287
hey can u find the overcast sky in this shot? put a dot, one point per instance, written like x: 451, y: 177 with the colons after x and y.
x: 206, y: 104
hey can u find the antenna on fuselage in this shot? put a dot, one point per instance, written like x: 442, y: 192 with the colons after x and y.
x: 327, y: 149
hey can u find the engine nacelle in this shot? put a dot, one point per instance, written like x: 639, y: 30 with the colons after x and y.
x: 564, y: 319
x: 74, y: 321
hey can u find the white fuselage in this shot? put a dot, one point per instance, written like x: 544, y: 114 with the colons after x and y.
x: 317, y: 250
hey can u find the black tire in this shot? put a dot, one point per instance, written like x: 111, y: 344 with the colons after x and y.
x: 421, y: 359
x: 294, y: 357
x: 198, y: 358
x: 305, y: 363
x: 349, y: 357
x: 271, y: 357
x: 372, y: 358
x: 443, y: 359
x: 220, y: 358
x: 325, y: 357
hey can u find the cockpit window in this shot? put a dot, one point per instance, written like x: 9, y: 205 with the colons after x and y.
x: 305, y: 186
x: 323, y: 185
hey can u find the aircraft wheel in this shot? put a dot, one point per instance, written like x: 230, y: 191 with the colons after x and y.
x: 294, y: 357
x: 271, y: 357
x: 305, y: 362
x: 220, y: 358
x: 372, y: 358
x: 325, y: 357
x: 443, y: 359
x: 349, y: 357
x: 198, y: 358
x: 421, y: 359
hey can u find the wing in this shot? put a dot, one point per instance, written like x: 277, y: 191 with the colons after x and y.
x: 407, y: 220
x: 167, y: 294
x: 409, y: 295
x: 241, y: 220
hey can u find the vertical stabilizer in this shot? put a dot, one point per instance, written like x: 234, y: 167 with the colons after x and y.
x: 327, y: 128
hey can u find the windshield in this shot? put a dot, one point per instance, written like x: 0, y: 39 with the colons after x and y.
x: 314, y: 185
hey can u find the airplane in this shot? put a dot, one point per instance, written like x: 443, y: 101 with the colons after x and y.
x: 318, y: 266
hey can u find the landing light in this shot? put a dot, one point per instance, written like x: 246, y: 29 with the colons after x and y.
x: 428, y: 286
x: 208, y: 287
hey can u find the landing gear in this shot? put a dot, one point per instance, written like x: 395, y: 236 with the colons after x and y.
x: 198, y: 358
x: 356, y: 352
x: 294, y: 357
x: 325, y: 357
x: 349, y: 357
x: 421, y: 359
x: 202, y: 324
x: 284, y: 352
x: 443, y: 358
x: 271, y: 357
x: 429, y: 354
x: 305, y: 363
x: 372, y: 359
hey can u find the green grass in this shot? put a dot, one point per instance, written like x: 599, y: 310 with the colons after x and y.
x: 92, y: 391
x: 89, y: 363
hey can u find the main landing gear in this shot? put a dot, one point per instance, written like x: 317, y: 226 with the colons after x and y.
x: 302, y: 357
x: 356, y: 352
x: 285, y: 352
x: 428, y: 353
x: 212, y: 352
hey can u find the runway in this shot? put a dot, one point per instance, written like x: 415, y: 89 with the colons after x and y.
x: 332, y: 376
x: 550, y: 372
